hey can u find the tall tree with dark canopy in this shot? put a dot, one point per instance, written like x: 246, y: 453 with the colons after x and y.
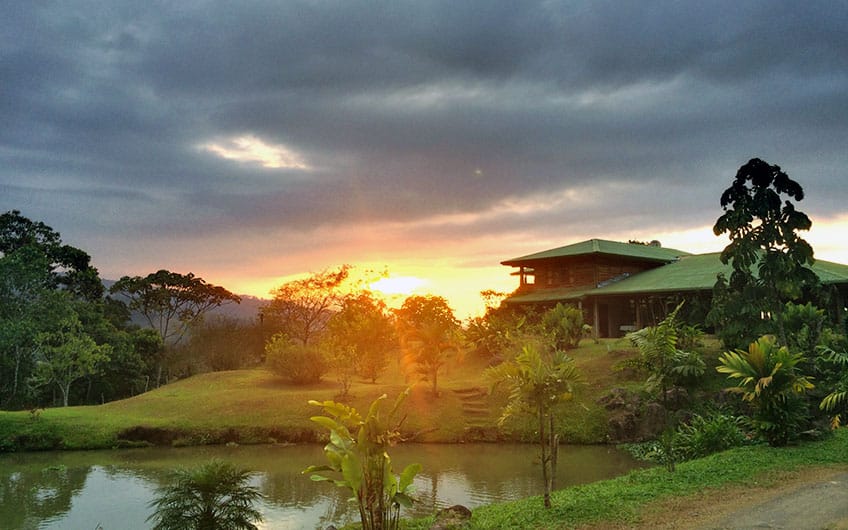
x: 171, y: 303
x: 770, y: 260
x: 67, y: 267
x: 36, y: 270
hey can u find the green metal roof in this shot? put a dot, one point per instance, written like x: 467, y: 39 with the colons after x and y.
x: 549, y: 295
x: 690, y: 273
x: 694, y: 272
x: 830, y: 272
x: 602, y: 246
x: 698, y: 273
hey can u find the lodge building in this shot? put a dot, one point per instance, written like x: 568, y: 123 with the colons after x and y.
x: 622, y: 287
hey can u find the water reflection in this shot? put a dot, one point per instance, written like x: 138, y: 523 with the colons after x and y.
x: 113, y: 488
x: 38, y: 494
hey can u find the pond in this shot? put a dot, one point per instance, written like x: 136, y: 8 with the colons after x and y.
x: 111, y: 490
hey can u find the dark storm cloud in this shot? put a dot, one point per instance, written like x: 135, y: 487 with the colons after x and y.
x: 415, y: 109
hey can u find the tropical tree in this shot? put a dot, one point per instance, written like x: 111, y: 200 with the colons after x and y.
x: 26, y: 309
x: 537, y: 382
x: 357, y: 455
x: 171, y: 303
x: 302, y: 308
x: 362, y: 330
x: 127, y: 372
x: 430, y: 335
x: 40, y: 278
x: 66, y: 267
x: 770, y: 260
x: 67, y: 355
x: 768, y: 377
x: 215, y: 496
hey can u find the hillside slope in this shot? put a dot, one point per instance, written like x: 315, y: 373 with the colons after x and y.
x: 255, y: 406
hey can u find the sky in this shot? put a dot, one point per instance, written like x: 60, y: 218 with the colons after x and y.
x: 254, y: 142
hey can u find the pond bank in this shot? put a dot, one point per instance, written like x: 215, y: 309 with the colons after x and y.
x: 627, y: 501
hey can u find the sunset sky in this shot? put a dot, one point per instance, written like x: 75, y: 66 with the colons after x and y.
x: 251, y: 142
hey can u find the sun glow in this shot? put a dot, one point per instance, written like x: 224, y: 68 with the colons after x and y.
x: 392, y: 285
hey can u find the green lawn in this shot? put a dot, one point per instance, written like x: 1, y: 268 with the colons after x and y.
x: 255, y: 406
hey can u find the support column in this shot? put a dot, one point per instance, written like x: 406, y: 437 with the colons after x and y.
x: 638, y: 313
x: 596, y: 319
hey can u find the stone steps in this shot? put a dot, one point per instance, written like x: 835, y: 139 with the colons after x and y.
x: 475, y: 407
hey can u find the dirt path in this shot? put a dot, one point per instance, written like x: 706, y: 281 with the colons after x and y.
x: 810, y: 499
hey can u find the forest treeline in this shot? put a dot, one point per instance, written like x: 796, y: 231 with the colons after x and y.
x: 66, y: 339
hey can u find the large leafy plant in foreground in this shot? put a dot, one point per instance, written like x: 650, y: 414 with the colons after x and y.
x: 356, y: 454
x: 768, y: 377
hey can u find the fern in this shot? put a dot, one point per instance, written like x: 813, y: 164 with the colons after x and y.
x: 837, y: 399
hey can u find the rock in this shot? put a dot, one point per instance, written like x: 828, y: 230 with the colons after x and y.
x: 677, y: 398
x: 630, y: 418
x: 453, y: 518
x: 653, y: 421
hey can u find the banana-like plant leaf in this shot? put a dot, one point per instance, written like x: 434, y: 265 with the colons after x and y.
x: 407, y: 476
x: 352, y: 472
x: 403, y: 500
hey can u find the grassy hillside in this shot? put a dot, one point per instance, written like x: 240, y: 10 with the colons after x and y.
x: 255, y: 406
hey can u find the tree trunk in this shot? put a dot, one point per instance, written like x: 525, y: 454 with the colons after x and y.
x: 66, y: 389
x: 554, y: 438
x: 17, y: 371
x: 546, y: 459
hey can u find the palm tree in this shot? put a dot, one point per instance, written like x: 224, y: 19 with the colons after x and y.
x: 769, y: 378
x: 215, y: 496
x: 537, y: 383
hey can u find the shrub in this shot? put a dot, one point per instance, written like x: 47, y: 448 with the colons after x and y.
x: 711, y: 433
x: 564, y: 323
x: 768, y: 377
x: 802, y: 326
x: 689, y: 336
x: 298, y: 363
